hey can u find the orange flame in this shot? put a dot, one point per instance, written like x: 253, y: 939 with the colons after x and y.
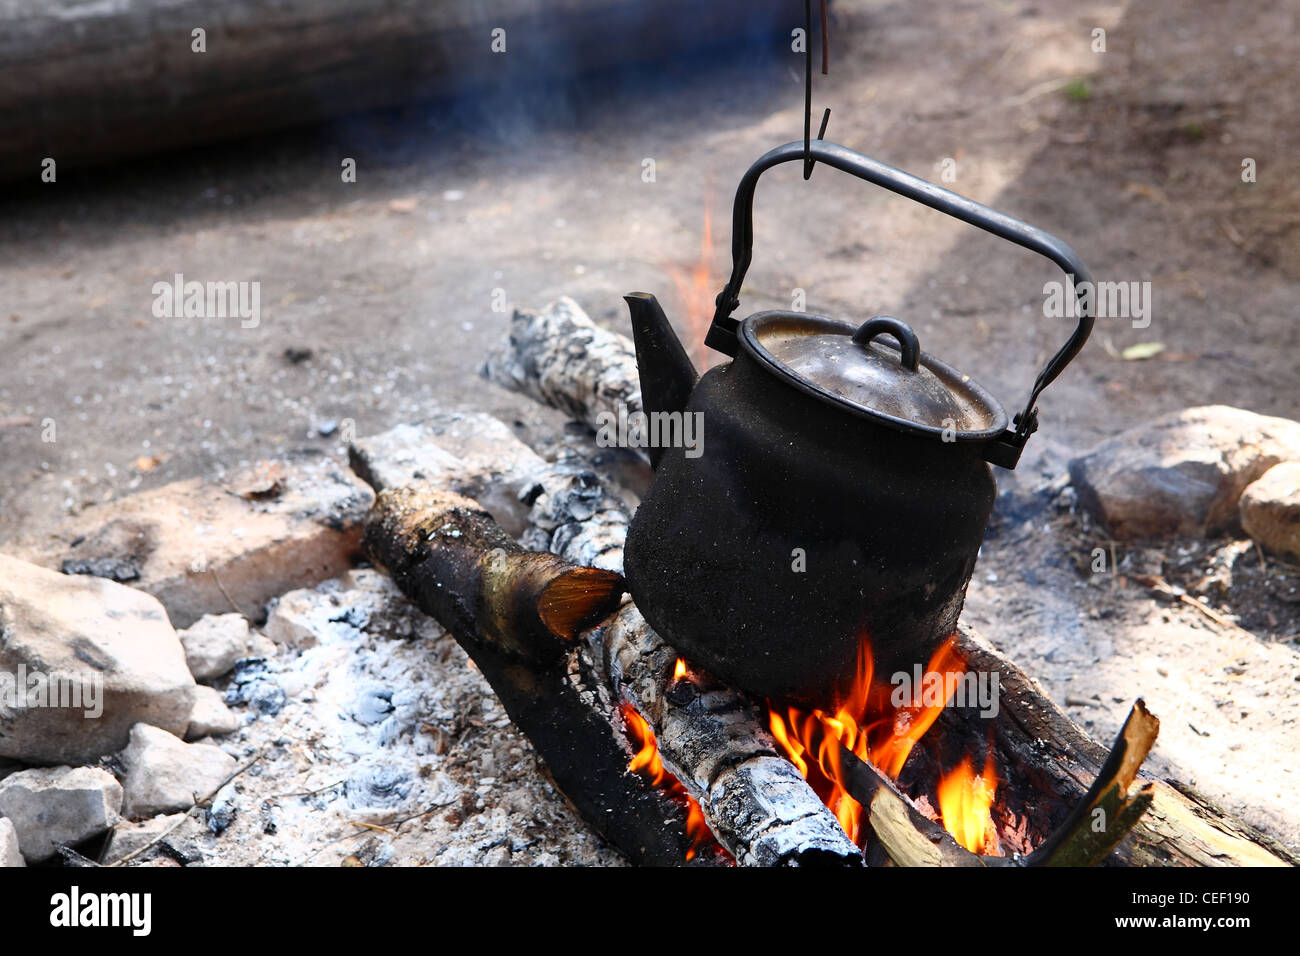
x: 695, y: 286
x: 965, y: 802
x: 648, y: 763
x: 870, y: 726
x: 911, y: 722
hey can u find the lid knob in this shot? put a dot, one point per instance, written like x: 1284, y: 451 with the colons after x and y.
x: 908, y: 343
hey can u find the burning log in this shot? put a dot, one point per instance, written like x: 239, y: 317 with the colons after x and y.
x: 516, y: 615
x: 1108, y: 811
x: 906, y: 836
x: 1182, y: 828
x: 575, y: 515
x: 711, y: 736
x: 1051, y: 760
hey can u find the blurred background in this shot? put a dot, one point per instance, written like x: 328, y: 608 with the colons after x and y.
x: 501, y: 154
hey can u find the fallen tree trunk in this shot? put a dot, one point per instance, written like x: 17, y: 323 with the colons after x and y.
x: 95, y: 82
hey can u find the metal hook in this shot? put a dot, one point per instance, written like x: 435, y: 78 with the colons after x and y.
x: 808, y: 161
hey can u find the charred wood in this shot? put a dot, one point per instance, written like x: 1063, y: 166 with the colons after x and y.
x: 515, y: 614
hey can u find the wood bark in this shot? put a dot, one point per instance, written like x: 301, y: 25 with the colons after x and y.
x: 1112, y: 806
x: 576, y: 515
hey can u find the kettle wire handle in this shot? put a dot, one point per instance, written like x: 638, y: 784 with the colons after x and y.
x: 722, y: 332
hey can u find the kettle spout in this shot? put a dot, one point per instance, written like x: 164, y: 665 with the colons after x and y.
x: 667, y: 375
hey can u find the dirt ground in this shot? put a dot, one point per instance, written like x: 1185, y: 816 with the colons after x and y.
x: 378, y: 297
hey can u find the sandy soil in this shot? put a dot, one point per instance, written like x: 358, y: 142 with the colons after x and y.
x: 1133, y: 155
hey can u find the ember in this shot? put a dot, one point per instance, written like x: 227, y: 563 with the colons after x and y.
x: 872, y: 727
x: 965, y: 799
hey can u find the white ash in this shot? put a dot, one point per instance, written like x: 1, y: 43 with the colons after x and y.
x: 380, y: 719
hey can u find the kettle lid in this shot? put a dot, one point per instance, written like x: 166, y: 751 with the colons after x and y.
x: 900, y: 386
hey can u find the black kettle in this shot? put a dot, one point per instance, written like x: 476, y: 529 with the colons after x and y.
x: 840, y: 486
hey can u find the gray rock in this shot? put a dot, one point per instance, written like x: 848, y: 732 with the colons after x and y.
x: 82, y: 660
x: 163, y: 773
x: 214, y: 643
x: 1270, y: 510
x: 52, y: 806
x: 210, y: 716
x: 128, y: 837
x: 10, y: 855
x: 1181, y: 474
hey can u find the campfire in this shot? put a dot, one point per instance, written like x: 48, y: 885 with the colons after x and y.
x: 954, y: 758
x: 876, y: 725
x: 959, y: 760
x: 719, y: 618
x: 650, y: 765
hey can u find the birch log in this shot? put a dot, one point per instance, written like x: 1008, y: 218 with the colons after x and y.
x: 560, y: 358
x: 712, y: 738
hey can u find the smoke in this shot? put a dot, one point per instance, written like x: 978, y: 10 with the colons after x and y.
x: 556, y: 66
